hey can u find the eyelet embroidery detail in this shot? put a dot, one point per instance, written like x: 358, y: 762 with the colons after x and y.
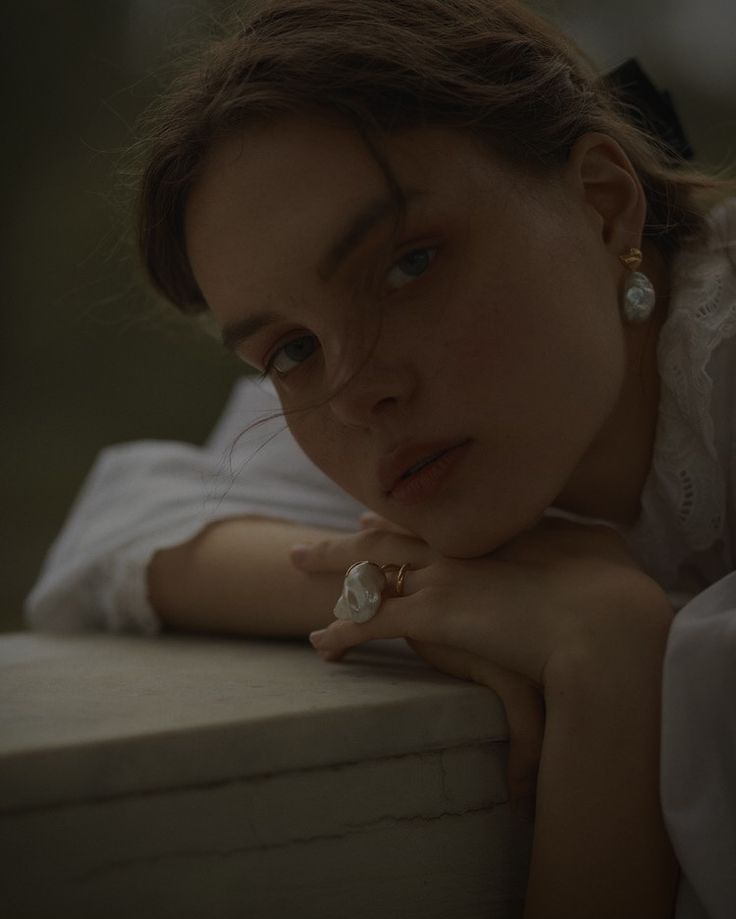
x: 685, y: 493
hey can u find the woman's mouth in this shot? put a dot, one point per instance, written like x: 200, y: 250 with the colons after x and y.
x: 423, y: 479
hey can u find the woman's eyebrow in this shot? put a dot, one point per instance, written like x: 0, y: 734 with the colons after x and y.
x: 375, y: 212
x: 370, y: 216
x: 233, y: 334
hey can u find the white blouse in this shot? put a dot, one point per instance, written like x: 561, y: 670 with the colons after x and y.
x: 686, y: 534
x: 148, y: 495
x: 144, y: 496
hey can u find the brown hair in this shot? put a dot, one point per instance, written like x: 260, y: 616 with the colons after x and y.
x: 491, y: 67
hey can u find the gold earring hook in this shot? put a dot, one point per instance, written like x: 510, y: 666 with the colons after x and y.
x: 631, y: 259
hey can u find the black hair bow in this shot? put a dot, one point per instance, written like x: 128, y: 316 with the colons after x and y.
x: 648, y: 107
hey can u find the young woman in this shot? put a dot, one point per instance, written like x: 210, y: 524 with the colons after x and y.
x: 486, y: 302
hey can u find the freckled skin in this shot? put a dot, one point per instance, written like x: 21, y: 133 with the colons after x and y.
x: 511, y: 337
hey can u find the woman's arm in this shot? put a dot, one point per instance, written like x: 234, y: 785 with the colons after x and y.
x: 235, y: 576
x: 148, y: 496
x: 601, y: 847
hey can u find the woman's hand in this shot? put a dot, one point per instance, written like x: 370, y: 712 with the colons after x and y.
x: 534, y: 606
x: 550, y: 599
x: 381, y: 541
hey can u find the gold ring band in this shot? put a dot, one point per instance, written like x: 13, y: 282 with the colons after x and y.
x: 400, y: 579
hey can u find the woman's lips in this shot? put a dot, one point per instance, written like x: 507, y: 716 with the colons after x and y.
x: 421, y: 485
x: 393, y: 466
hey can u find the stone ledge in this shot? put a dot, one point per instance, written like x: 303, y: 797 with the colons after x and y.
x: 191, y: 777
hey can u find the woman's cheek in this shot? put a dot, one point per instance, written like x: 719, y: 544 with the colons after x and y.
x: 325, y: 448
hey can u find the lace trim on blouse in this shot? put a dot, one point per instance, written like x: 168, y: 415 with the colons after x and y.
x: 686, y: 490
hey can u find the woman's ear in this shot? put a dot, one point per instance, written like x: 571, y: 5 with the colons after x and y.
x: 599, y: 176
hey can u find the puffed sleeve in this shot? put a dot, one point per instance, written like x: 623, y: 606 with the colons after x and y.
x: 148, y: 495
x: 698, y: 774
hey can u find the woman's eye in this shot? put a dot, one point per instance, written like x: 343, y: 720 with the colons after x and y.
x: 410, y: 267
x: 284, y: 359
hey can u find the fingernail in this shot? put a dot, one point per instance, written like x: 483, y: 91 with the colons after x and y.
x: 316, y: 637
x: 368, y: 519
x: 298, y: 552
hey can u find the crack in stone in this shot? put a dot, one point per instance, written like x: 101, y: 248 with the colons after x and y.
x: 443, y: 775
x: 388, y: 818
x: 122, y: 864
x: 164, y: 790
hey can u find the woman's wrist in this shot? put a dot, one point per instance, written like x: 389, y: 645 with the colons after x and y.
x: 631, y: 639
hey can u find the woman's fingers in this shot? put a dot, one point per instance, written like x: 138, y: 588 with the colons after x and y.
x: 371, y: 544
x: 394, y: 619
x: 524, y: 705
x: 406, y: 617
x: 525, y: 713
x: 371, y: 521
x: 339, y: 637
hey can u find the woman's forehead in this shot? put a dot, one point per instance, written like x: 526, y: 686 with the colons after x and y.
x: 277, y: 180
x: 299, y: 196
x: 300, y: 162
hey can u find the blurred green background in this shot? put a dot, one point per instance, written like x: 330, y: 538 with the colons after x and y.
x: 88, y: 359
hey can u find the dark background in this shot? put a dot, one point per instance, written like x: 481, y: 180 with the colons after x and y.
x: 88, y: 358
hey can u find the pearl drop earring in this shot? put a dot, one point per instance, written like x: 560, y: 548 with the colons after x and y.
x: 639, y: 296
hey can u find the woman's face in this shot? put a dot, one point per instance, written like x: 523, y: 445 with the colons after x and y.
x: 490, y: 321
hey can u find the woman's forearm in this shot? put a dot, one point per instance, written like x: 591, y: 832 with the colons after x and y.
x: 236, y: 577
x: 600, y: 844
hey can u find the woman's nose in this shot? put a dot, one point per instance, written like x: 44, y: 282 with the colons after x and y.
x: 370, y: 390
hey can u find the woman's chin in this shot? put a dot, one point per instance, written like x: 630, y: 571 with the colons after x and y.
x: 477, y: 541
x: 452, y: 546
